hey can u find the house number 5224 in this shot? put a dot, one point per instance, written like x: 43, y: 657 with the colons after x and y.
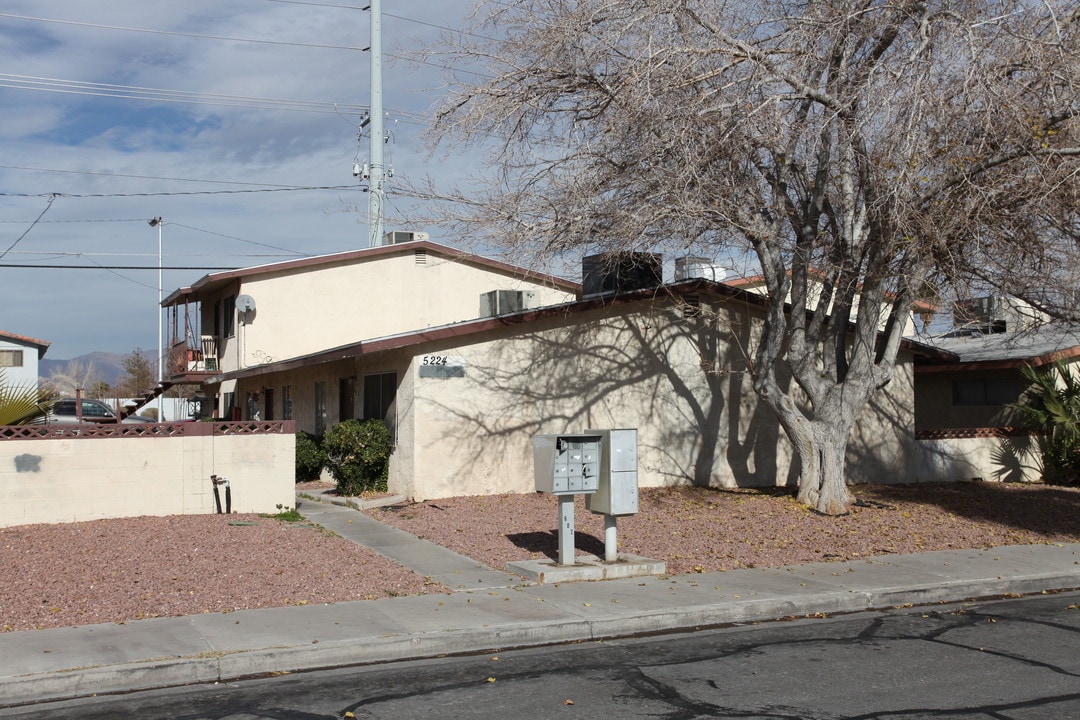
x: 434, y: 360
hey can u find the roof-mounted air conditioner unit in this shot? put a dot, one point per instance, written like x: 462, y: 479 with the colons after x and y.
x: 615, y: 272
x: 502, y: 302
x: 687, y: 268
x: 404, y: 236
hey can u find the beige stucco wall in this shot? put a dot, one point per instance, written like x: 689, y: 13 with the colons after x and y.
x: 977, y: 458
x: 76, y: 479
x: 681, y: 382
x: 304, y: 311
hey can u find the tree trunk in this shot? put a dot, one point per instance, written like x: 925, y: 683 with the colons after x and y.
x: 821, y: 449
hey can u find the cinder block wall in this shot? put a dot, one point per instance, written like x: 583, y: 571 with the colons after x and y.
x: 71, y: 479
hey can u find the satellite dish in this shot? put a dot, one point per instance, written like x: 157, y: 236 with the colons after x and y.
x: 245, y: 303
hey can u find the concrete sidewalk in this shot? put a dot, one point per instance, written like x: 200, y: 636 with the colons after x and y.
x: 490, y: 610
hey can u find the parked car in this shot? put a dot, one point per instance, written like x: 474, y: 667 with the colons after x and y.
x: 93, y: 411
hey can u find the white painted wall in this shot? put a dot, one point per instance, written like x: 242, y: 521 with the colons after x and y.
x: 28, y: 373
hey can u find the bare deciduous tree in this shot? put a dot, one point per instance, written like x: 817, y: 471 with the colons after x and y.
x: 75, y: 375
x: 863, y: 152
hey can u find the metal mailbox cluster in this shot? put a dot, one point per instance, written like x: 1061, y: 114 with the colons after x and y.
x: 600, y: 464
x: 567, y: 464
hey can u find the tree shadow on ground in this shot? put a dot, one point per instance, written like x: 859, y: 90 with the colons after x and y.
x: 1045, y: 509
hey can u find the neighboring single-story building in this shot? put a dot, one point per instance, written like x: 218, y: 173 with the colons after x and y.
x: 974, y: 376
x: 19, y: 356
x: 964, y: 426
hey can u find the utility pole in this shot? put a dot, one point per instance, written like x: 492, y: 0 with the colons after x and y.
x: 377, y: 183
x: 158, y: 223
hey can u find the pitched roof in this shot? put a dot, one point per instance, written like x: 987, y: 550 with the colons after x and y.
x: 41, y: 345
x: 969, y: 350
x: 210, y: 283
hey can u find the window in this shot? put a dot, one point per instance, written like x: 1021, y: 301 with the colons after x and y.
x: 11, y: 358
x: 380, y: 390
x: 998, y: 391
x: 252, y: 406
x: 286, y: 402
x: 268, y: 403
x: 320, y: 408
x: 346, y: 398
x: 228, y: 316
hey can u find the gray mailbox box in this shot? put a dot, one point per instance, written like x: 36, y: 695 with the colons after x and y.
x: 618, y: 490
x: 567, y: 464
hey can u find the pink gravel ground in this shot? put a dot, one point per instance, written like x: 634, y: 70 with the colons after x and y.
x: 120, y: 570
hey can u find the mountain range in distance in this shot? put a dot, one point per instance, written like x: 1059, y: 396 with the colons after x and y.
x: 107, y: 367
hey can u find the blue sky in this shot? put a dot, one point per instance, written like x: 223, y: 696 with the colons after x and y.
x: 119, y: 111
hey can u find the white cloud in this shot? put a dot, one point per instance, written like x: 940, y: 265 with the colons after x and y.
x: 91, y: 146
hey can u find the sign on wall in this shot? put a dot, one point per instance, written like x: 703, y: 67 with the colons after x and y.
x: 442, y: 366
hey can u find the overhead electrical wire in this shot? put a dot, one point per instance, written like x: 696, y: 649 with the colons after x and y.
x: 231, y: 237
x: 177, y: 193
x: 134, y: 92
x: 98, y: 26
x: 48, y: 205
x: 148, y: 177
x: 116, y: 267
x: 56, y: 254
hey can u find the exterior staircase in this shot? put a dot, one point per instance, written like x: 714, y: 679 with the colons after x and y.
x: 133, y: 406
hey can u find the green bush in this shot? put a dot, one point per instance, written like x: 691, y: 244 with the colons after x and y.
x: 310, y: 456
x: 358, y: 455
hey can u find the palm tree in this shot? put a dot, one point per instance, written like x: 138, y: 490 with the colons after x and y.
x: 21, y: 403
x: 1051, y: 407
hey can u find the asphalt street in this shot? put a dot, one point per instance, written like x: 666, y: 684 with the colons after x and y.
x: 1011, y: 659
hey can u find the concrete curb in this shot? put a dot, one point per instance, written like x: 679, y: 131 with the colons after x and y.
x: 578, y: 622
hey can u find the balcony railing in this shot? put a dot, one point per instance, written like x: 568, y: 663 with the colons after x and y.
x: 188, y: 362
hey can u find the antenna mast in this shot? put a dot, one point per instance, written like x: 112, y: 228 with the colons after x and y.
x: 376, y: 185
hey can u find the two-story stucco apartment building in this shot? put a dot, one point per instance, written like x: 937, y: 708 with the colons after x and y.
x: 466, y: 358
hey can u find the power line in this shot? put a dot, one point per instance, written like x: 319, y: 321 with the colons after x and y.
x: 318, y: 4
x: 97, y: 26
x: 23, y: 222
x: 230, y: 237
x: 184, y: 193
x: 27, y: 231
x: 134, y: 92
x: 115, y: 267
x: 143, y: 177
x: 67, y: 253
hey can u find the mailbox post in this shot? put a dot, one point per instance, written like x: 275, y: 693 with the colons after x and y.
x: 567, y: 465
x: 617, y: 493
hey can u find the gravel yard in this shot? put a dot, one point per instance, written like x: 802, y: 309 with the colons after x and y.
x: 120, y: 570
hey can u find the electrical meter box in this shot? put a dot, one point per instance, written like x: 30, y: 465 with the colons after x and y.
x: 567, y: 464
x: 618, y: 491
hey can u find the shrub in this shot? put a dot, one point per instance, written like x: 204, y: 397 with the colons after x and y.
x: 310, y: 456
x: 1051, y: 407
x: 358, y: 455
